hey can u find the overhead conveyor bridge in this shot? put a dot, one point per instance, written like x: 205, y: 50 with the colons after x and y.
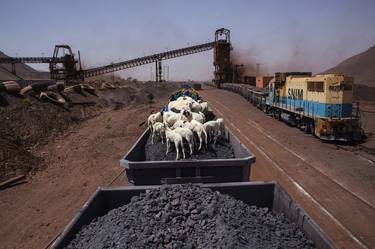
x: 147, y: 60
x: 64, y: 66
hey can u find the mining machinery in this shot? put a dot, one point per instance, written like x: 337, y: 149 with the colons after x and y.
x: 65, y: 67
x: 223, y: 66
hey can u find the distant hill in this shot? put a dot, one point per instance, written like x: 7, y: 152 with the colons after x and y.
x: 362, y: 92
x: 23, y: 71
x: 360, y: 66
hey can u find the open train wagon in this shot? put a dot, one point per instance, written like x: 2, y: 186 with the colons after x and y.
x: 260, y: 194
x: 142, y: 172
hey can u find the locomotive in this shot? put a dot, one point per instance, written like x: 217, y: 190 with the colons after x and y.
x: 320, y: 104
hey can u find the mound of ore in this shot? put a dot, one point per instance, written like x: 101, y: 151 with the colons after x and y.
x: 156, y: 152
x: 188, y: 216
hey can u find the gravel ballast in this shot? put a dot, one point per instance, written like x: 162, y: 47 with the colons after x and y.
x: 188, y: 216
x: 156, y: 152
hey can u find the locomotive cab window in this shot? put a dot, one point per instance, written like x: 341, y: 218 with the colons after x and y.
x: 310, y: 86
x: 315, y: 86
x: 340, y: 87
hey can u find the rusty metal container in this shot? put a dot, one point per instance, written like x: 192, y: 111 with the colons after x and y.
x: 141, y: 172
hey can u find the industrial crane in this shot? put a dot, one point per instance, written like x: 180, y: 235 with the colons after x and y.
x: 64, y: 66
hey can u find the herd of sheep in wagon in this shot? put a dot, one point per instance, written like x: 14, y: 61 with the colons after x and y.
x: 184, y: 120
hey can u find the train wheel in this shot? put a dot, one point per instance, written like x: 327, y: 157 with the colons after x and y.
x: 265, y: 109
x: 275, y: 113
x: 310, y: 127
x: 307, y: 127
x: 302, y: 124
x: 298, y: 124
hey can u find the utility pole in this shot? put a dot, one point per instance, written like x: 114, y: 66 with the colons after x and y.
x: 158, y: 70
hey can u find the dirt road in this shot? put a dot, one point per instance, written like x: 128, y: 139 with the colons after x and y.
x: 83, y: 158
x: 336, y: 187
x: 33, y: 214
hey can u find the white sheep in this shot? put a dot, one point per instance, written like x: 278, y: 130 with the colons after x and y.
x: 196, y: 127
x: 158, y: 129
x: 153, y: 118
x: 179, y: 123
x: 188, y: 135
x: 170, y: 118
x: 221, y: 124
x: 204, y: 107
x: 186, y: 98
x: 200, y: 117
x: 212, y: 129
x: 176, y: 138
x: 179, y: 105
x: 199, y: 129
x: 196, y: 107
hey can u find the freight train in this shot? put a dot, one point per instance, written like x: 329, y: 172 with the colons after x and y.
x: 320, y: 104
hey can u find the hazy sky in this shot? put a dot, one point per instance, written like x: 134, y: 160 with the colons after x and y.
x: 281, y: 35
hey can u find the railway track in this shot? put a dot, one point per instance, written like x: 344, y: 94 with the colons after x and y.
x: 332, y: 202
